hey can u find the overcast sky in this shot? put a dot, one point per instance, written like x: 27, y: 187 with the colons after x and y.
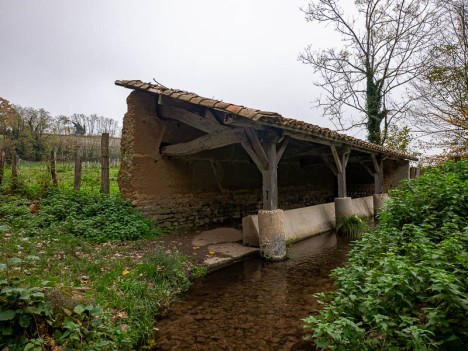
x: 64, y: 56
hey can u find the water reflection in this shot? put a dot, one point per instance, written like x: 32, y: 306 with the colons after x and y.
x: 254, y: 305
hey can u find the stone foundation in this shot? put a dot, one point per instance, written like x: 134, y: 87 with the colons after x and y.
x: 343, y: 207
x: 271, y: 235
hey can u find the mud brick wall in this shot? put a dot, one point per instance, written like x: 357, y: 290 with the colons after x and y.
x: 220, y: 185
x: 216, y: 186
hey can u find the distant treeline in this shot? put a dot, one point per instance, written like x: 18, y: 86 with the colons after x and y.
x: 32, y: 133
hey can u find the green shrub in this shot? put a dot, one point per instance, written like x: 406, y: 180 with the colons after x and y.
x: 76, y: 236
x: 95, y: 217
x: 405, y: 286
x: 351, y: 227
x: 28, y: 320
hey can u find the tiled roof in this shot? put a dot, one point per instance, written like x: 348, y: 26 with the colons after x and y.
x: 262, y: 117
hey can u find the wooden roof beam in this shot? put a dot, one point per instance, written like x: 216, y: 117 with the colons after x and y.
x: 206, y: 142
x: 207, y: 125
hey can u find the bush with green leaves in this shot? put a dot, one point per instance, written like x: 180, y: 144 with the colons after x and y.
x: 405, y: 286
x: 28, y: 320
x: 95, y: 217
x: 60, y: 290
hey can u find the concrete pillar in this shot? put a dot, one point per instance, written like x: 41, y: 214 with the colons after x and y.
x: 343, y: 207
x: 378, y: 200
x: 272, y: 234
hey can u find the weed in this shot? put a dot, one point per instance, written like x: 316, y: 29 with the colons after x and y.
x: 351, y: 227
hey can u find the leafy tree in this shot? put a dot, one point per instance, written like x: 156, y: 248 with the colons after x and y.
x: 442, y: 88
x: 8, y: 118
x: 30, y: 132
x: 7, y: 115
x: 399, y: 139
x: 383, y: 50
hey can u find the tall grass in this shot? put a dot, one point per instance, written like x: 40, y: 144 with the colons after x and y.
x: 34, y: 177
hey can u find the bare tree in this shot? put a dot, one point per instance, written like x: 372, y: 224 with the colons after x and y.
x: 383, y: 50
x: 442, y: 87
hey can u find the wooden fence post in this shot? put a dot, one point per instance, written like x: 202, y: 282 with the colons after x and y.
x: 77, y: 180
x: 2, y: 165
x: 14, y: 165
x: 105, y: 163
x: 53, y: 167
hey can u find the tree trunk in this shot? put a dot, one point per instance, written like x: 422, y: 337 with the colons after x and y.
x: 374, y: 115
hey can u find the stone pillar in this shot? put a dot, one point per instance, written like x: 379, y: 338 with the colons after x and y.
x: 272, y: 234
x: 343, y: 207
x: 378, y: 200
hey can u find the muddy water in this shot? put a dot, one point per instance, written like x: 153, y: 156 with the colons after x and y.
x: 254, y: 305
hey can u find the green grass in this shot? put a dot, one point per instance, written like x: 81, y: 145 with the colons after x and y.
x: 352, y: 227
x: 131, y: 285
x: 34, y: 177
x: 84, y: 269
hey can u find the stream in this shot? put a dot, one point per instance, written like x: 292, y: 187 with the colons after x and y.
x: 254, y: 305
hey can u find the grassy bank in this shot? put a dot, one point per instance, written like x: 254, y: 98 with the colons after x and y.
x: 80, y: 271
x: 406, y: 284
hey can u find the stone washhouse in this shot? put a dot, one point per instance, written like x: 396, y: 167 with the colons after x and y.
x: 192, y: 161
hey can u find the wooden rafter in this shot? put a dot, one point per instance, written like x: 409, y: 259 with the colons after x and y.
x: 341, y: 161
x: 256, y: 145
x: 329, y: 164
x: 367, y: 168
x: 207, y: 125
x: 338, y: 164
x: 261, y: 165
x: 281, y: 150
x: 206, y: 142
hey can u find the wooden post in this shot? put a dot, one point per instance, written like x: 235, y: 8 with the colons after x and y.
x: 341, y: 162
x: 2, y: 165
x: 342, y: 191
x: 105, y: 163
x: 270, y: 179
x: 53, y: 167
x: 77, y: 179
x: 14, y: 165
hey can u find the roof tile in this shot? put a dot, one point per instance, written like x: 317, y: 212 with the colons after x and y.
x: 208, y: 102
x: 187, y: 97
x: 234, y: 109
x: 262, y: 117
x: 221, y: 105
x: 196, y: 100
x: 248, y: 113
